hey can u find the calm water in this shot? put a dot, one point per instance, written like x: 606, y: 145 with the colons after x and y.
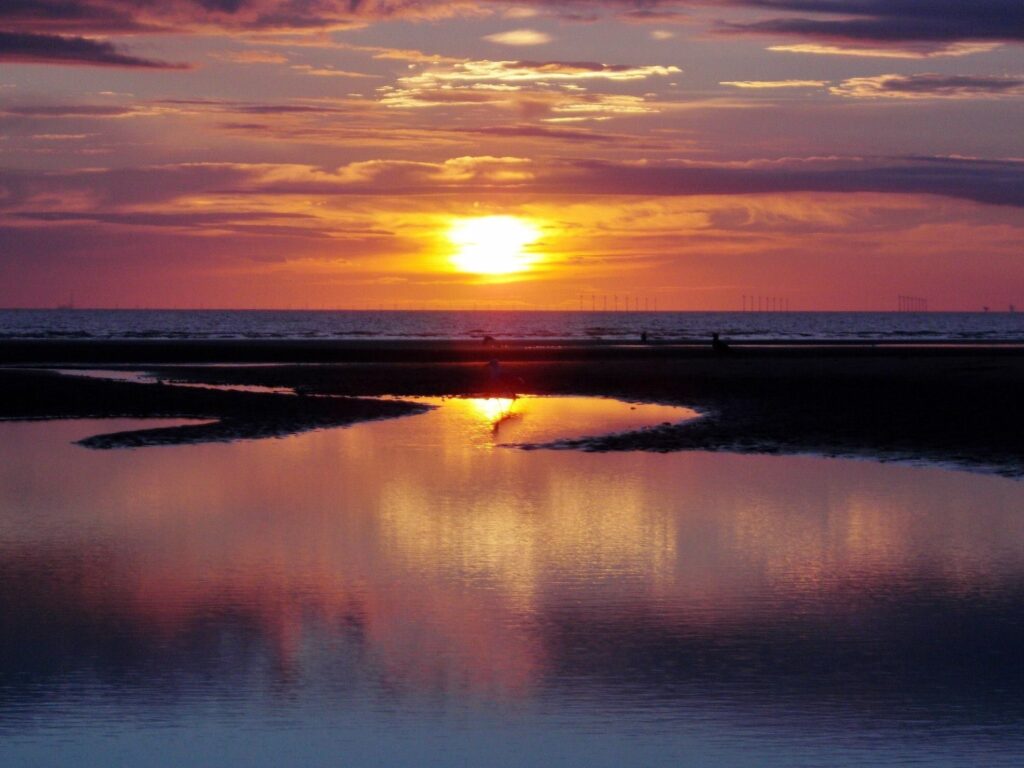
x: 681, y: 326
x: 411, y: 593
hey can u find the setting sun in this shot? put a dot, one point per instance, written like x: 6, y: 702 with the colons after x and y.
x: 493, y: 245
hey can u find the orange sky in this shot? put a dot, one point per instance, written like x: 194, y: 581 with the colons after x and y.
x: 270, y: 154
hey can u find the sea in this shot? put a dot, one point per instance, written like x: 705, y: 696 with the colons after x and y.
x: 892, y: 327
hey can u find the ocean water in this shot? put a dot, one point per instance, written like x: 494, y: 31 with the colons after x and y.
x: 676, y: 326
x: 412, y: 593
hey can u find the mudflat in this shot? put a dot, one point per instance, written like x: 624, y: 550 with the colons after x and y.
x: 950, y: 404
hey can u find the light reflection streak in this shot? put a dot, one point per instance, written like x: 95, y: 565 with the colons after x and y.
x: 450, y: 560
x: 493, y: 410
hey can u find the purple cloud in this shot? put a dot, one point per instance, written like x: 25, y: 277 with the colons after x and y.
x: 55, y: 49
x: 891, y: 21
x: 995, y: 182
x: 931, y: 86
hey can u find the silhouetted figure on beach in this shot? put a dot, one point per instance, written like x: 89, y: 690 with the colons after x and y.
x: 718, y: 346
x: 643, y: 337
x: 499, y: 383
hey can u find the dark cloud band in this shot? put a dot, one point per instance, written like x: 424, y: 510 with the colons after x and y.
x: 877, y: 21
x: 55, y: 49
x: 891, y: 21
x: 994, y: 182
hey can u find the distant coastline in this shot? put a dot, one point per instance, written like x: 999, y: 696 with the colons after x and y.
x: 509, y: 326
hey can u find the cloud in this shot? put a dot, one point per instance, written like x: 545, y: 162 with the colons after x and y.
x: 55, y: 49
x: 106, y: 189
x: 999, y: 183
x: 251, y: 57
x: 72, y: 16
x: 66, y: 110
x: 991, y: 182
x: 520, y: 37
x: 484, y: 71
x: 889, y: 22
x: 996, y: 182
x: 61, y: 136
x: 572, y: 135
x: 131, y: 16
x: 410, y: 55
x: 651, y: 15
x: 520, y: 12
x: 390, y: 177
x: 308, y: 69
x: 587, y: 106
x: 873, y: 21
x: 951, y: 50
x: 931, y: 86
x: 774, y: 84
x: 535, y: 131
x: 365, y: 131
x: 247, y: 108
x: 535, y: 88
x: 188, y: 220
x: 531, y: 103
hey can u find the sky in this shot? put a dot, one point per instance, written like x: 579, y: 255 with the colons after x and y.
x: 832, y: 154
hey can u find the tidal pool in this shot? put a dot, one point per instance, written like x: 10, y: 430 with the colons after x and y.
x: 410, y: 592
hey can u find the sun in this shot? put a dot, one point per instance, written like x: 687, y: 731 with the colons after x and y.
x: 493, y: 245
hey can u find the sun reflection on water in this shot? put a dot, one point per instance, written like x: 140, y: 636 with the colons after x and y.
x: 493, y: 410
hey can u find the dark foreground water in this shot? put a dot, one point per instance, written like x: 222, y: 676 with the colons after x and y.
x: 410, y: 593
x: 612, y: 326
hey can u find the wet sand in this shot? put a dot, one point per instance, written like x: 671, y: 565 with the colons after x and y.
x: 231, y: 415
x: 951, y: 404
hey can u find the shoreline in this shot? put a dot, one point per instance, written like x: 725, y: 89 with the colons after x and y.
x: 311, y: 351
x: 226, y: 416
x: 943, y: 405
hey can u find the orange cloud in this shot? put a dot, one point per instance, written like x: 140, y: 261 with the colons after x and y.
x: 931, y: 86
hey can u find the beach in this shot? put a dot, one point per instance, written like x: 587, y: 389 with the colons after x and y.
x: 946, y: 404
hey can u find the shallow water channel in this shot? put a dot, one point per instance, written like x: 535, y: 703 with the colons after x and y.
x: 412, y: 592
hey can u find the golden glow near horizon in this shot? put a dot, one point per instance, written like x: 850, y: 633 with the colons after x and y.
x: 493, y: 245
